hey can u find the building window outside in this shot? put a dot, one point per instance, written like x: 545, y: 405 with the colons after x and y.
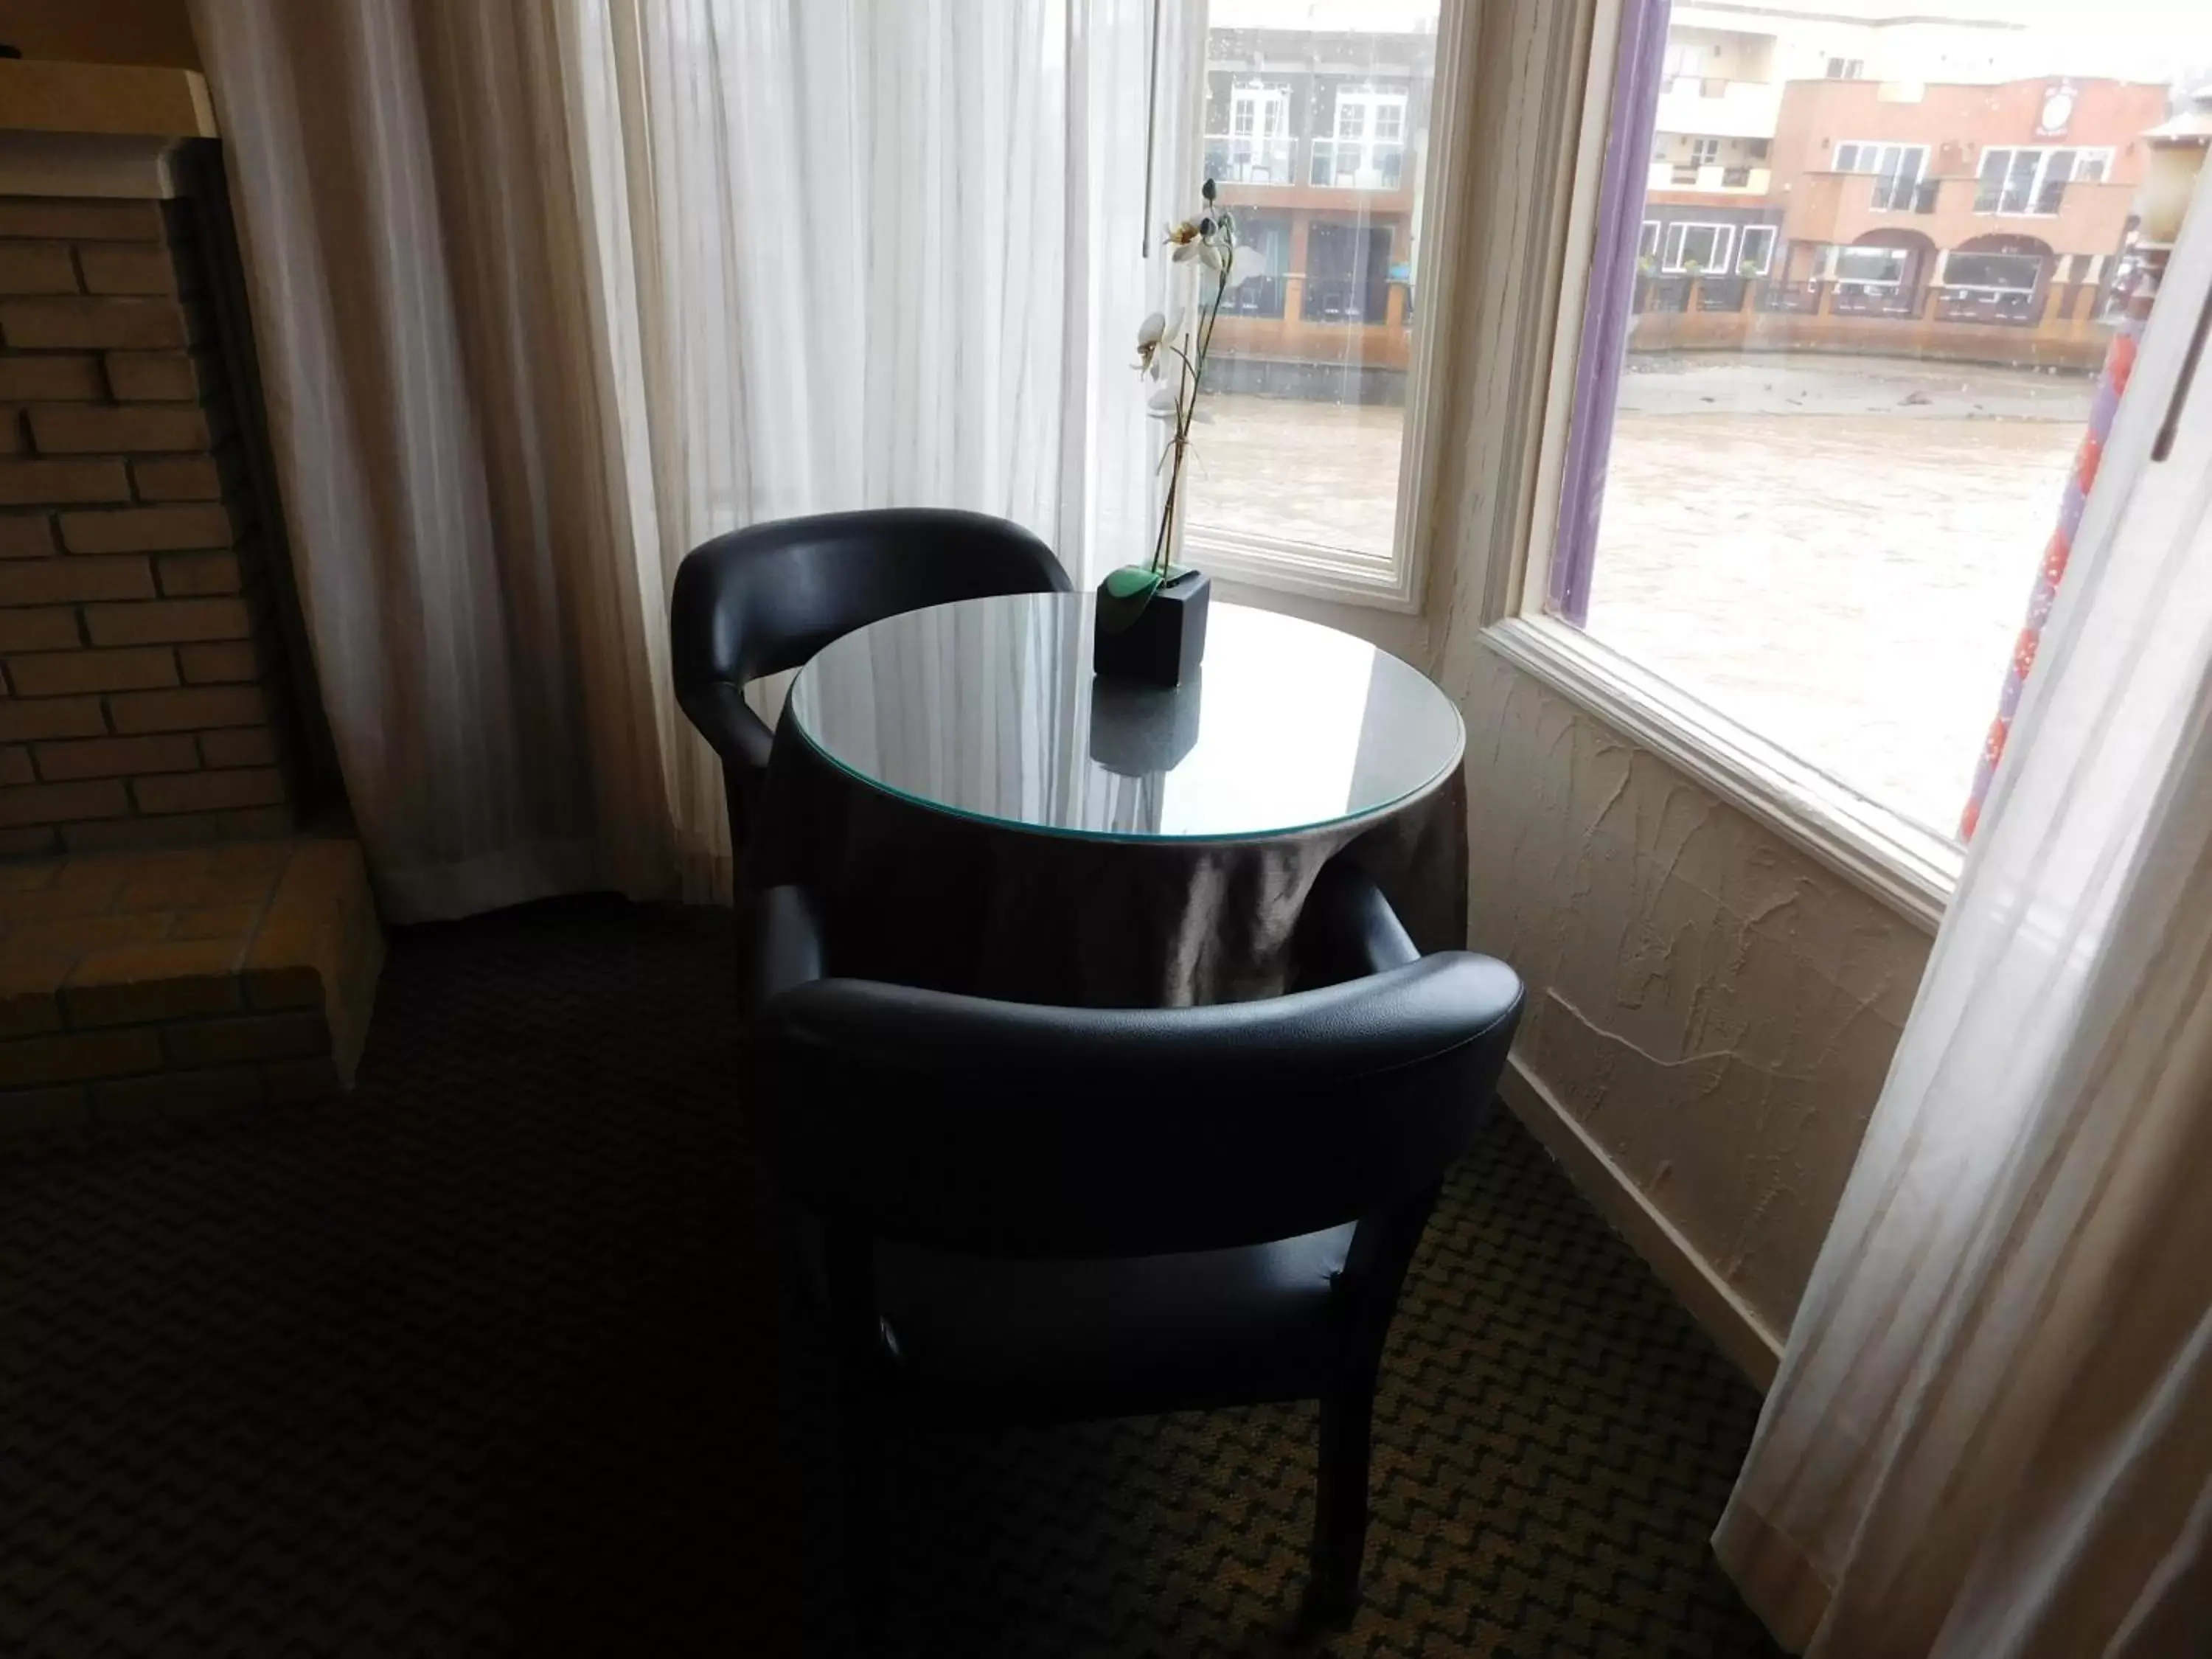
x: 1694, y: 247
x: 1647, y: 239
x: 1704, y: 152
x: 1367, y: 150
x: 1994, y: 273
x: 2033, y: 180
x: 1896, y: 169
x: 1256, y: 146
x: 1870, y: 267
x: 1756, y: 256
x: 1771, y: 501
x: 1297, y: 470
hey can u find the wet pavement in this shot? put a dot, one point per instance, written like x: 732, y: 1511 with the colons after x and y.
x: 1836, y: 552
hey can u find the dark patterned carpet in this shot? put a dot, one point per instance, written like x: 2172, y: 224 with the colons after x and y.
x: 496, y: 1358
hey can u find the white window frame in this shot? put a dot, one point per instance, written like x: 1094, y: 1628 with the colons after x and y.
x: 1773, y: 235
x: 2098, y: 155
x: 1518, y: 434
x: 1398, y: 583
x: 1647, y: 239
x: 1270, y: 109
x: 1898, y: 257
x: 1723, y: 247
x: 1876, y: 149
x: 1991, y: 287
x: 1707, y: 156
x: 1369, y: 104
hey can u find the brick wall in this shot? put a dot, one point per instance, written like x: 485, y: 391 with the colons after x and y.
x: 137, y: 643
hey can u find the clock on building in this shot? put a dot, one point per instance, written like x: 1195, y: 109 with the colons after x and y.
x: 2058, y: 110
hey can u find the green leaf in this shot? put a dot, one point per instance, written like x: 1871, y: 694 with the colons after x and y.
x: 1124, y: 594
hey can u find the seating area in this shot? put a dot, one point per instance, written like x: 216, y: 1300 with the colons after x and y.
x: 527, y: 1375
x: 1050, y: 828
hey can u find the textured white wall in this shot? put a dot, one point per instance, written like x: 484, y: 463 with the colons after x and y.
x: 1715, y: 1009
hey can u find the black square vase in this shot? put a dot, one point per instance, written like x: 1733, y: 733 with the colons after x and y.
x: 1163, y: 641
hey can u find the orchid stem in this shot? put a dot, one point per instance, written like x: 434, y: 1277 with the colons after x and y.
x: 1195, y: 370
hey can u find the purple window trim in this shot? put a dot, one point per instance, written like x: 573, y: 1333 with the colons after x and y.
x: 1629, y: 122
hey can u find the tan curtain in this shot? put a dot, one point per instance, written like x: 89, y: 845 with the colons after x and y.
x: 485, y: 632
x: 1992, y: 1434
x: 548, y: 293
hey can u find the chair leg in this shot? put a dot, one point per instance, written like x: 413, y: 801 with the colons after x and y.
x: 1339, y: 1540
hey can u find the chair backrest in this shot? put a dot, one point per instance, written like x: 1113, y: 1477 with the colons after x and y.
x: 1013, y: 1130
x: 765, y: 598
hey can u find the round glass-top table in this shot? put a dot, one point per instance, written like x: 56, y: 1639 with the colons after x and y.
x: 988, y: 709
x: 977, y: 812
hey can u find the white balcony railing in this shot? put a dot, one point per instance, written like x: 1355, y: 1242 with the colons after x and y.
x: 1720, y: 109
x: 1248, y: 161
x: 1358, y: 164
x: 1713, y: 177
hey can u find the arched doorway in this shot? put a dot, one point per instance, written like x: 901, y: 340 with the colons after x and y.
x: 1883, y: 273
x: 2001, y: 278
x: 1900, y: 260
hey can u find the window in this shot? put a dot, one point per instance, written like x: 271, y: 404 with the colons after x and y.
x: 1756, y: 257
x: 1366, y: 149
x: 1254, y: 148
x: 1647, y: 239
x: 1994, y: 273
x: 2033, y: 181
x: 1896, y: 169
x: 1802, y: 568
x: 1704, y: 152
x: 1870, y: 267
x: 1846, y: 68
x: 1697, y: 247
x: 1295, y: 481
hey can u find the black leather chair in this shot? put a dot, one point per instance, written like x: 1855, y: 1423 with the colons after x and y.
x: 765, y: 598
x: 1036, y: 1213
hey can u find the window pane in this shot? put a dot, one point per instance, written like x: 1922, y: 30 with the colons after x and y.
x: 1306, y: 381
x: 1990, y: 188
x: 1833, y: 467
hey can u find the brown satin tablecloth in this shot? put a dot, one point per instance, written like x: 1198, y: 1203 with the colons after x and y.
x: 978, y: 815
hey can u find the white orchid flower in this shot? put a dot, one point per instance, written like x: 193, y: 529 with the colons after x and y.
x: 1186, y: 238
x: 1158, y: 336
x: 1164, y: 405
x: 1150, y: 333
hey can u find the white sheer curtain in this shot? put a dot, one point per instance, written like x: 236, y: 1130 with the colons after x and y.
x: 1991, y: 1435
x: 857, y: 255
x: 549, y: 291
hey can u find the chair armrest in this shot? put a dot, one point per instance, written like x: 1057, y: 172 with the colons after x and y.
x: 740, y: 737
x: 1348, y: 931
x: 787, y: 949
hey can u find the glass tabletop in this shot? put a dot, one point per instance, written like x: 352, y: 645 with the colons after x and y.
x: 988, y: 708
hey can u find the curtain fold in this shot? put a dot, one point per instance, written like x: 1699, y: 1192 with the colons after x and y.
x: 548, y: 293
x: 414, y: 277
x: 1992, y: 1434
